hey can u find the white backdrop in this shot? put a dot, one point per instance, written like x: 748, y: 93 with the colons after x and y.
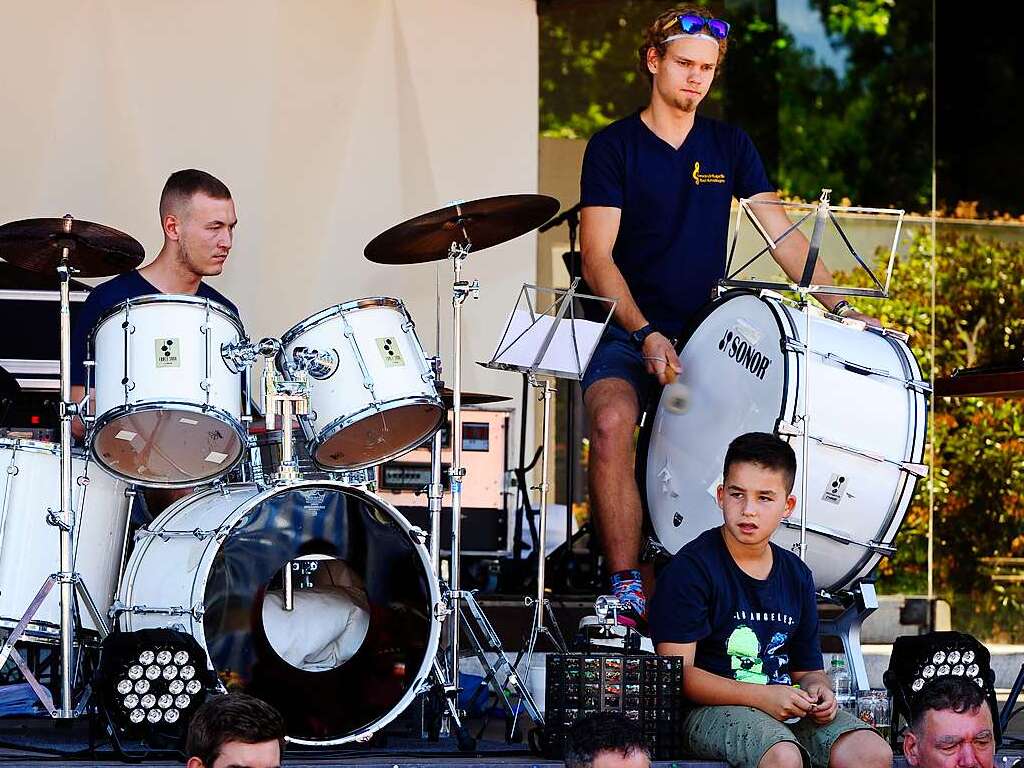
x: 330, y: 120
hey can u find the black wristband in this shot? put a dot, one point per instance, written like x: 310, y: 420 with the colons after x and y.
x: 640, y: 335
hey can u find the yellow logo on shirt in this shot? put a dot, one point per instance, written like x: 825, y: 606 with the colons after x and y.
x: 706, y: 178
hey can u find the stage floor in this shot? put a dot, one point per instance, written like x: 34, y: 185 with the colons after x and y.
x: 39, y: 744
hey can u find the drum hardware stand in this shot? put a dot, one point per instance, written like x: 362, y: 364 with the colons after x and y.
x: 70, y: 581
x: 291, y: 395
x: 858, y: 603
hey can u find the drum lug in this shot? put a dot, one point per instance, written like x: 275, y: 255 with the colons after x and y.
x: 915, y: 469
x: 921, y: 387
x: 784, y: 428
x: 418, y: 535
x: 441, y: 610
x: 793, y: 345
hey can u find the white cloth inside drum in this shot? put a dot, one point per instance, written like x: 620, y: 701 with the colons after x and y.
x: 325, y: 628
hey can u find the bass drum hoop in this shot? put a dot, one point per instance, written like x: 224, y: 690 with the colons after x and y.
x: 205, y: 564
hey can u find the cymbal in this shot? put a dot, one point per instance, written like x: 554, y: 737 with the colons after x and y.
x: 471, y: 398
x: 97, y: 251
x: 486, y: 222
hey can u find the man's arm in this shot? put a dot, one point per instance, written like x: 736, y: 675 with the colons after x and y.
x: 599, y: 226
x: 791, y: 253
x: 706, y: 688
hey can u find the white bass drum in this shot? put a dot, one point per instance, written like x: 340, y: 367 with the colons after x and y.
x: 745, y: 369
x: 314, y: 597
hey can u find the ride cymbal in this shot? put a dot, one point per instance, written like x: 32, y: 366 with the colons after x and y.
x: 486, y: 222
x: 96, y: 250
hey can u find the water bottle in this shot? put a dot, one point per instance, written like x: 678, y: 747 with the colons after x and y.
x: 842, y: 684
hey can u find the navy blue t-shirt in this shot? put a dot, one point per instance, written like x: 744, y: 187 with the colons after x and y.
x: 671, y: 245
x: 109, y: 294
x: 746, y: 629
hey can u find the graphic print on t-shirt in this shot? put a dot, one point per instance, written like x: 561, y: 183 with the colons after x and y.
x: 752, y: 662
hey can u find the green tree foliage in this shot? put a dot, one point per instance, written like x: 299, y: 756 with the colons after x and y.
x: 978, y: 476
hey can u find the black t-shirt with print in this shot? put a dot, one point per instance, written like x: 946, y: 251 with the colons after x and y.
x: 746, y: 629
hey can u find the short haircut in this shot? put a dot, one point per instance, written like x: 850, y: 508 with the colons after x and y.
x: 950, y: 692
x: 602, y: 732
x: 766, y: 451
x: 181, y: 186
x: 666, y: 25
x: 232, y: 717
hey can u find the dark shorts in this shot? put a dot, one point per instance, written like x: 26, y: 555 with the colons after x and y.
x: 741, y: 735
x: 616, y: 357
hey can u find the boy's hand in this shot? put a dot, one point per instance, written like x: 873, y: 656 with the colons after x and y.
x: 784, y: 702
x: 827, y: 707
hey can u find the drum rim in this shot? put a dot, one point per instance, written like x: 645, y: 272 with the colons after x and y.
x: 165, y: 298
x: 321, y: 436
x: 144, y: 406
x: 789, y: 378
x: 203, y: 567
x: 319, y: 318
x: 41, y: 446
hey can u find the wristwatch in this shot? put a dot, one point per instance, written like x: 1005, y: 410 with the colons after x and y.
x: 640, y: 335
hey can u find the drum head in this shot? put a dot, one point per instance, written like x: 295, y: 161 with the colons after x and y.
x: 734, y: 369
x: 359, y: 632
x: 379, y: 436
x: 166, y: 446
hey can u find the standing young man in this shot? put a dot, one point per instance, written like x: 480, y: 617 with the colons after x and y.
x: 741, y: 611
x: 655, y: 191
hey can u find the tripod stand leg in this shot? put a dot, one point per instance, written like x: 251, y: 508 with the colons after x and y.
x: 445, y: 690
x: 8, y: 651
x: 41, y: 693
x: 90, y: 605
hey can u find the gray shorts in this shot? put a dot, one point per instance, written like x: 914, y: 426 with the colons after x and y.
x: 741, y: 735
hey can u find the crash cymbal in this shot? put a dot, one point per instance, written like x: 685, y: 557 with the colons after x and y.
x: 471, y: 398
x: 97, y: 251
x: 486, y: 222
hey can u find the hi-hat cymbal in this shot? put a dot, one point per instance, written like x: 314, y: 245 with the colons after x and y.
x: 96, y: 250
x: 471, y: 398
x: 486, y: 222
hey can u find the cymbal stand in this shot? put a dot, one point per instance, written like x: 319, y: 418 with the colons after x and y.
x: 69, y: 580
x: 487, y: 641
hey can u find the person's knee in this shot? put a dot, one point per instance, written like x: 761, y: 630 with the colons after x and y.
x: 785, y: 754
x: 860, y: 749
x: 611, y: 426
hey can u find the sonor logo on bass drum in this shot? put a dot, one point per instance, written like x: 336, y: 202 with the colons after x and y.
x: 744, y: 353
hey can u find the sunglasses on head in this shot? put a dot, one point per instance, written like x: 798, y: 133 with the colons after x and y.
x: 694, y: 24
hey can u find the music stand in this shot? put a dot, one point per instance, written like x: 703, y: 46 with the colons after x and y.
x: 554, y: 343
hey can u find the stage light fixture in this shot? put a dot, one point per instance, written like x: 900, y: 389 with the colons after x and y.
x: 150, y: 683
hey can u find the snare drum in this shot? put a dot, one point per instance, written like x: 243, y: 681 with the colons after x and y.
x: 372, y: 393
x: 30, y: 546
x: 314, y: 597
x: 168, y: 404
x: 745, y: 367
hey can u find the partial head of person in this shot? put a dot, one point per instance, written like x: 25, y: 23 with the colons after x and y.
x: 606, y: 740
x: 198, y: 219
x: 756, y: 493
x: 235, y: 731
x: 950, y: 726
x: 681, y: 53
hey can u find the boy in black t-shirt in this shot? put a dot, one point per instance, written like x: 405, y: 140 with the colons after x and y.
x: 741, y: 611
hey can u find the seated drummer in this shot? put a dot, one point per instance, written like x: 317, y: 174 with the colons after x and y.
x: 742, y: 613
x: 198, y: 219
x: 655, y: 190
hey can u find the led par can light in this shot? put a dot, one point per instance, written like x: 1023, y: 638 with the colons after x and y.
x: 150, y: 683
